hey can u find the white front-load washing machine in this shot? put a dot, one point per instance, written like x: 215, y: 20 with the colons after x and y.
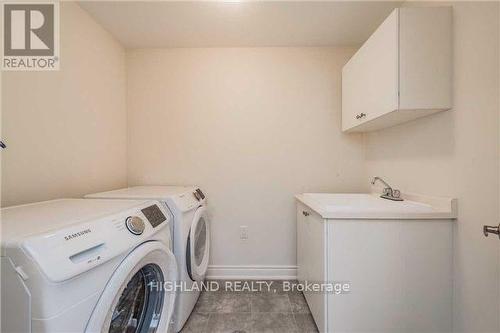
x: 191, y: 235
x: 77, y: 265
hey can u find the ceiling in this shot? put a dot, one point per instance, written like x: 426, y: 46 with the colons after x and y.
x: 156, y: 24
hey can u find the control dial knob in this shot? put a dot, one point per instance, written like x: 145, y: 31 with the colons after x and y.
x: 135, y: 225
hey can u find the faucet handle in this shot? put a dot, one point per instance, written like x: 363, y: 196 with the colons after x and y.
x: 396, y: 193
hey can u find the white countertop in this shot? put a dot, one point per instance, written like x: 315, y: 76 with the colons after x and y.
x: 371, y: 206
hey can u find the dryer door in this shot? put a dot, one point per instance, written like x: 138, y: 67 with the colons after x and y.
x: 198, y: 246
x: 135, y: 299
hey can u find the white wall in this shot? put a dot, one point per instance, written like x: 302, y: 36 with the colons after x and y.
x: 252, y: 127
x: 456, y: 154
x: 66, y: 130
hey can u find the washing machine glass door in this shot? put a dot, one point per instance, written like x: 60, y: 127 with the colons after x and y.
x: 139, y: 306
x: 198, y: 248
x: 135, y: 300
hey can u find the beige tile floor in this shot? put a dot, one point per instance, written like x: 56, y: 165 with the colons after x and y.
x: 266, y: 311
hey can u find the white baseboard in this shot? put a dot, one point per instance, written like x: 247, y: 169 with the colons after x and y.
x: 259, y: 272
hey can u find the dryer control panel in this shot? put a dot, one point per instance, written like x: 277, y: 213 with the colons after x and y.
x: 199, y: 195
x: 191, y: 199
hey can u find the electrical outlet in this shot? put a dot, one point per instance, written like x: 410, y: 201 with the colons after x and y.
x: 243, y: 232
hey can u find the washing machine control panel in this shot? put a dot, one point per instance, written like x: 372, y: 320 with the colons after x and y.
x: 154, y: 215
x: 135, y: 225
x: 77, y: 248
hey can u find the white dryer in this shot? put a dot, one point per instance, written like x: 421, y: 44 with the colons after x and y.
x: 191, y: 234
x: 76, y: 265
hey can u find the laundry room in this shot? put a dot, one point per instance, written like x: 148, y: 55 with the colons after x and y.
x: 250, y: 166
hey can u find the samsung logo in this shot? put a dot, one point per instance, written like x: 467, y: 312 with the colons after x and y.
x: 77, y: 234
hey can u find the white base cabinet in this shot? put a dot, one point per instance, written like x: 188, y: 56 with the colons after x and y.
x: 399, y: 272
x: 402, y: 72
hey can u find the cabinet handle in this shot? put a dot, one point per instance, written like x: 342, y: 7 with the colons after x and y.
x: 488, y: 229
x: 361, y: 115
x: 305, y: 213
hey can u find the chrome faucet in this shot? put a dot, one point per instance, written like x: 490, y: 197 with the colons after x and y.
x: 389, y: 193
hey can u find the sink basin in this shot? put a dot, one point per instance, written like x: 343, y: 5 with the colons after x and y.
x: 371, y: 206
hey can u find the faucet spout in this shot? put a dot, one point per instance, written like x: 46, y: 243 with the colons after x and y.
x: 382, y: 181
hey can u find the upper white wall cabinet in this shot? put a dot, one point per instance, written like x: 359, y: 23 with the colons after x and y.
x: 402, y: 72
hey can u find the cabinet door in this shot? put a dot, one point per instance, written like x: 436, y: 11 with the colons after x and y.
x: 311, y: 259
x: 301, y: 243
x: 370, y: 78
x: 316, y: 228
x: 400, y: 273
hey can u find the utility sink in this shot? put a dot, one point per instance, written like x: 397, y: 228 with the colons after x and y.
x: 395, y: 256
x: 371, y: 206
